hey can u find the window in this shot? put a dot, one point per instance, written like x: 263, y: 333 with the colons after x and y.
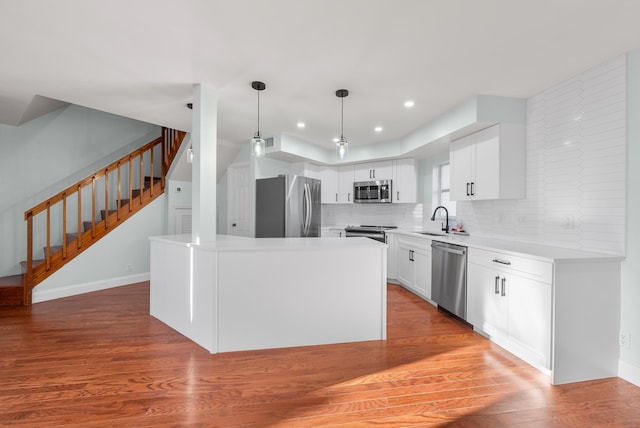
x: 440, y: 192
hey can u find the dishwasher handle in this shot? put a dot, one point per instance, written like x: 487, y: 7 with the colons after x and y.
x: 447, y: 249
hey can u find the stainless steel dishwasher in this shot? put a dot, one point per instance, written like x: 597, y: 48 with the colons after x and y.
x: 449, y: 277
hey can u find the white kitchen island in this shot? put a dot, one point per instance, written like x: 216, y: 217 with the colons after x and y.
x: 238, y: 293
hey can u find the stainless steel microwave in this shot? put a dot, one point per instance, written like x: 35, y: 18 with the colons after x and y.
x: 378, y: 191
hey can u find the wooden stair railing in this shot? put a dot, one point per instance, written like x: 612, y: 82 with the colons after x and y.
x: 94, y: 206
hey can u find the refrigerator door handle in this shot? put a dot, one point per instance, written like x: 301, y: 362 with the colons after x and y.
x: 306, y: 210
x: 310, y: 209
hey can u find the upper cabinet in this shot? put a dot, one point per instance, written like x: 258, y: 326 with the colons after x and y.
x: 345, y: 184
x: 382, y: 170
x: 329, y: 183
x: 404, y: 187
x: 337, y: 182
x: 489, y: 164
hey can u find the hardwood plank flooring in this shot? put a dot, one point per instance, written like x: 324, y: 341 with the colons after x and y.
x: 100, y: 359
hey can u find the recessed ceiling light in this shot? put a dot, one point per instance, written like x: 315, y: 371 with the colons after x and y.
x: 378, y: 129
x: 409, y: 103
x: 301, y: 125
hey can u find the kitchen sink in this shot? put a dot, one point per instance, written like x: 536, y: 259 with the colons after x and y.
x: 433, y: 233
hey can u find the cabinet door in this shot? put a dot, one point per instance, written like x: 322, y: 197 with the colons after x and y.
x: 461, y: 158
x: 530, y: 318
x: 329, y: 189
x: 487, y: 310
x: 406, y: 269
x: 362, y: 172
x: 423, y: 272
x: 404, y: 181
x: 382, y: 170
x: 486, y: 165
x: 345, y: 184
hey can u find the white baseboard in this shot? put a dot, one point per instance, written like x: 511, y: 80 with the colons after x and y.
x: 629, y: 372
x: 73, y: 290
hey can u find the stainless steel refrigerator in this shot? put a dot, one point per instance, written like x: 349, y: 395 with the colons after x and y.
x: 288, y: 206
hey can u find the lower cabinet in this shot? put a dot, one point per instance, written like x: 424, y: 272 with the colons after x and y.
x: 512, y: 310
x: 414, y: 264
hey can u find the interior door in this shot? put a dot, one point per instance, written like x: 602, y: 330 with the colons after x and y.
x: 239, y: 201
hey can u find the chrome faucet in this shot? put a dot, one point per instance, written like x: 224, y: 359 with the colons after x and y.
x: 445, y: 227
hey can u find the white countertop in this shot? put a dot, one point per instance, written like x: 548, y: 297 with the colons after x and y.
x: 536, y: 251
x: 239, y: 243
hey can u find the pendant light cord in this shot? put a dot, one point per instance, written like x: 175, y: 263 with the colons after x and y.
x: 258, y: 112
x: 342, y: 120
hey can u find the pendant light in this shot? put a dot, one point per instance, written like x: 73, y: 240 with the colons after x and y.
x: 257, y: 143
x: 341, y: 145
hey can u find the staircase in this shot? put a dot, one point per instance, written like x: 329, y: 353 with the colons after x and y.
x: 66, y: 224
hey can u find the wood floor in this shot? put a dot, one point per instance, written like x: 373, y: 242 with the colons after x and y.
x: 100, y: 360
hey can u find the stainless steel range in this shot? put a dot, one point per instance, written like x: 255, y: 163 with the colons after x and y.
x: 367, y: 231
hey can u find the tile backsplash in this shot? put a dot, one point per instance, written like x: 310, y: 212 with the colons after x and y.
x: 402, y: 215
x: 576, y: 146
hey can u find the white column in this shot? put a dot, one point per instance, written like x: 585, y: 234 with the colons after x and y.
x: 204, y: 138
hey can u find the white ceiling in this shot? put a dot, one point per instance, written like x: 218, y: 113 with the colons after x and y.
x: 140, y: 58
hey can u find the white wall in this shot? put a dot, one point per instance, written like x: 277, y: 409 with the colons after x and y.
x: 575, y: 193
x: 630, y: 293
x: 119, y: 258
x: 48, y: 154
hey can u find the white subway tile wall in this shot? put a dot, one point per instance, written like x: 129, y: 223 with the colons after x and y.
x: 408, y: 216
x: 576, y: 146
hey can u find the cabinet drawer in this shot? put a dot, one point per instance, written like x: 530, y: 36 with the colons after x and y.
x: 529, y: 268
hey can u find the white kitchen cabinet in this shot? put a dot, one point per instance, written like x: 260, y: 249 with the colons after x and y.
x: 345, y: 178
x: 404, y: 184
x: 414, y: 264
x: 382, y: 170
x: 486, y: 309
x: 489, y: 164
x: 336, y: 182
x: 328, y: 176
x: 509, y: 300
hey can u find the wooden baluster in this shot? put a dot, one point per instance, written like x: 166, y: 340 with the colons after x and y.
x: 80, y: 231
x: 165, y: 167
x: 47, y: 250
x: 28, y: 275
x: 93, y: 206
x: 141, y: 176
x: 151, y: 172
x: 119, y: 197
x: 130, y: 181
x: 106, y: 198
x: 64, y: 225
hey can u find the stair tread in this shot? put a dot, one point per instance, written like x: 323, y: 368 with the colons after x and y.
x: 23, y: 264
x: 11, y: 281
